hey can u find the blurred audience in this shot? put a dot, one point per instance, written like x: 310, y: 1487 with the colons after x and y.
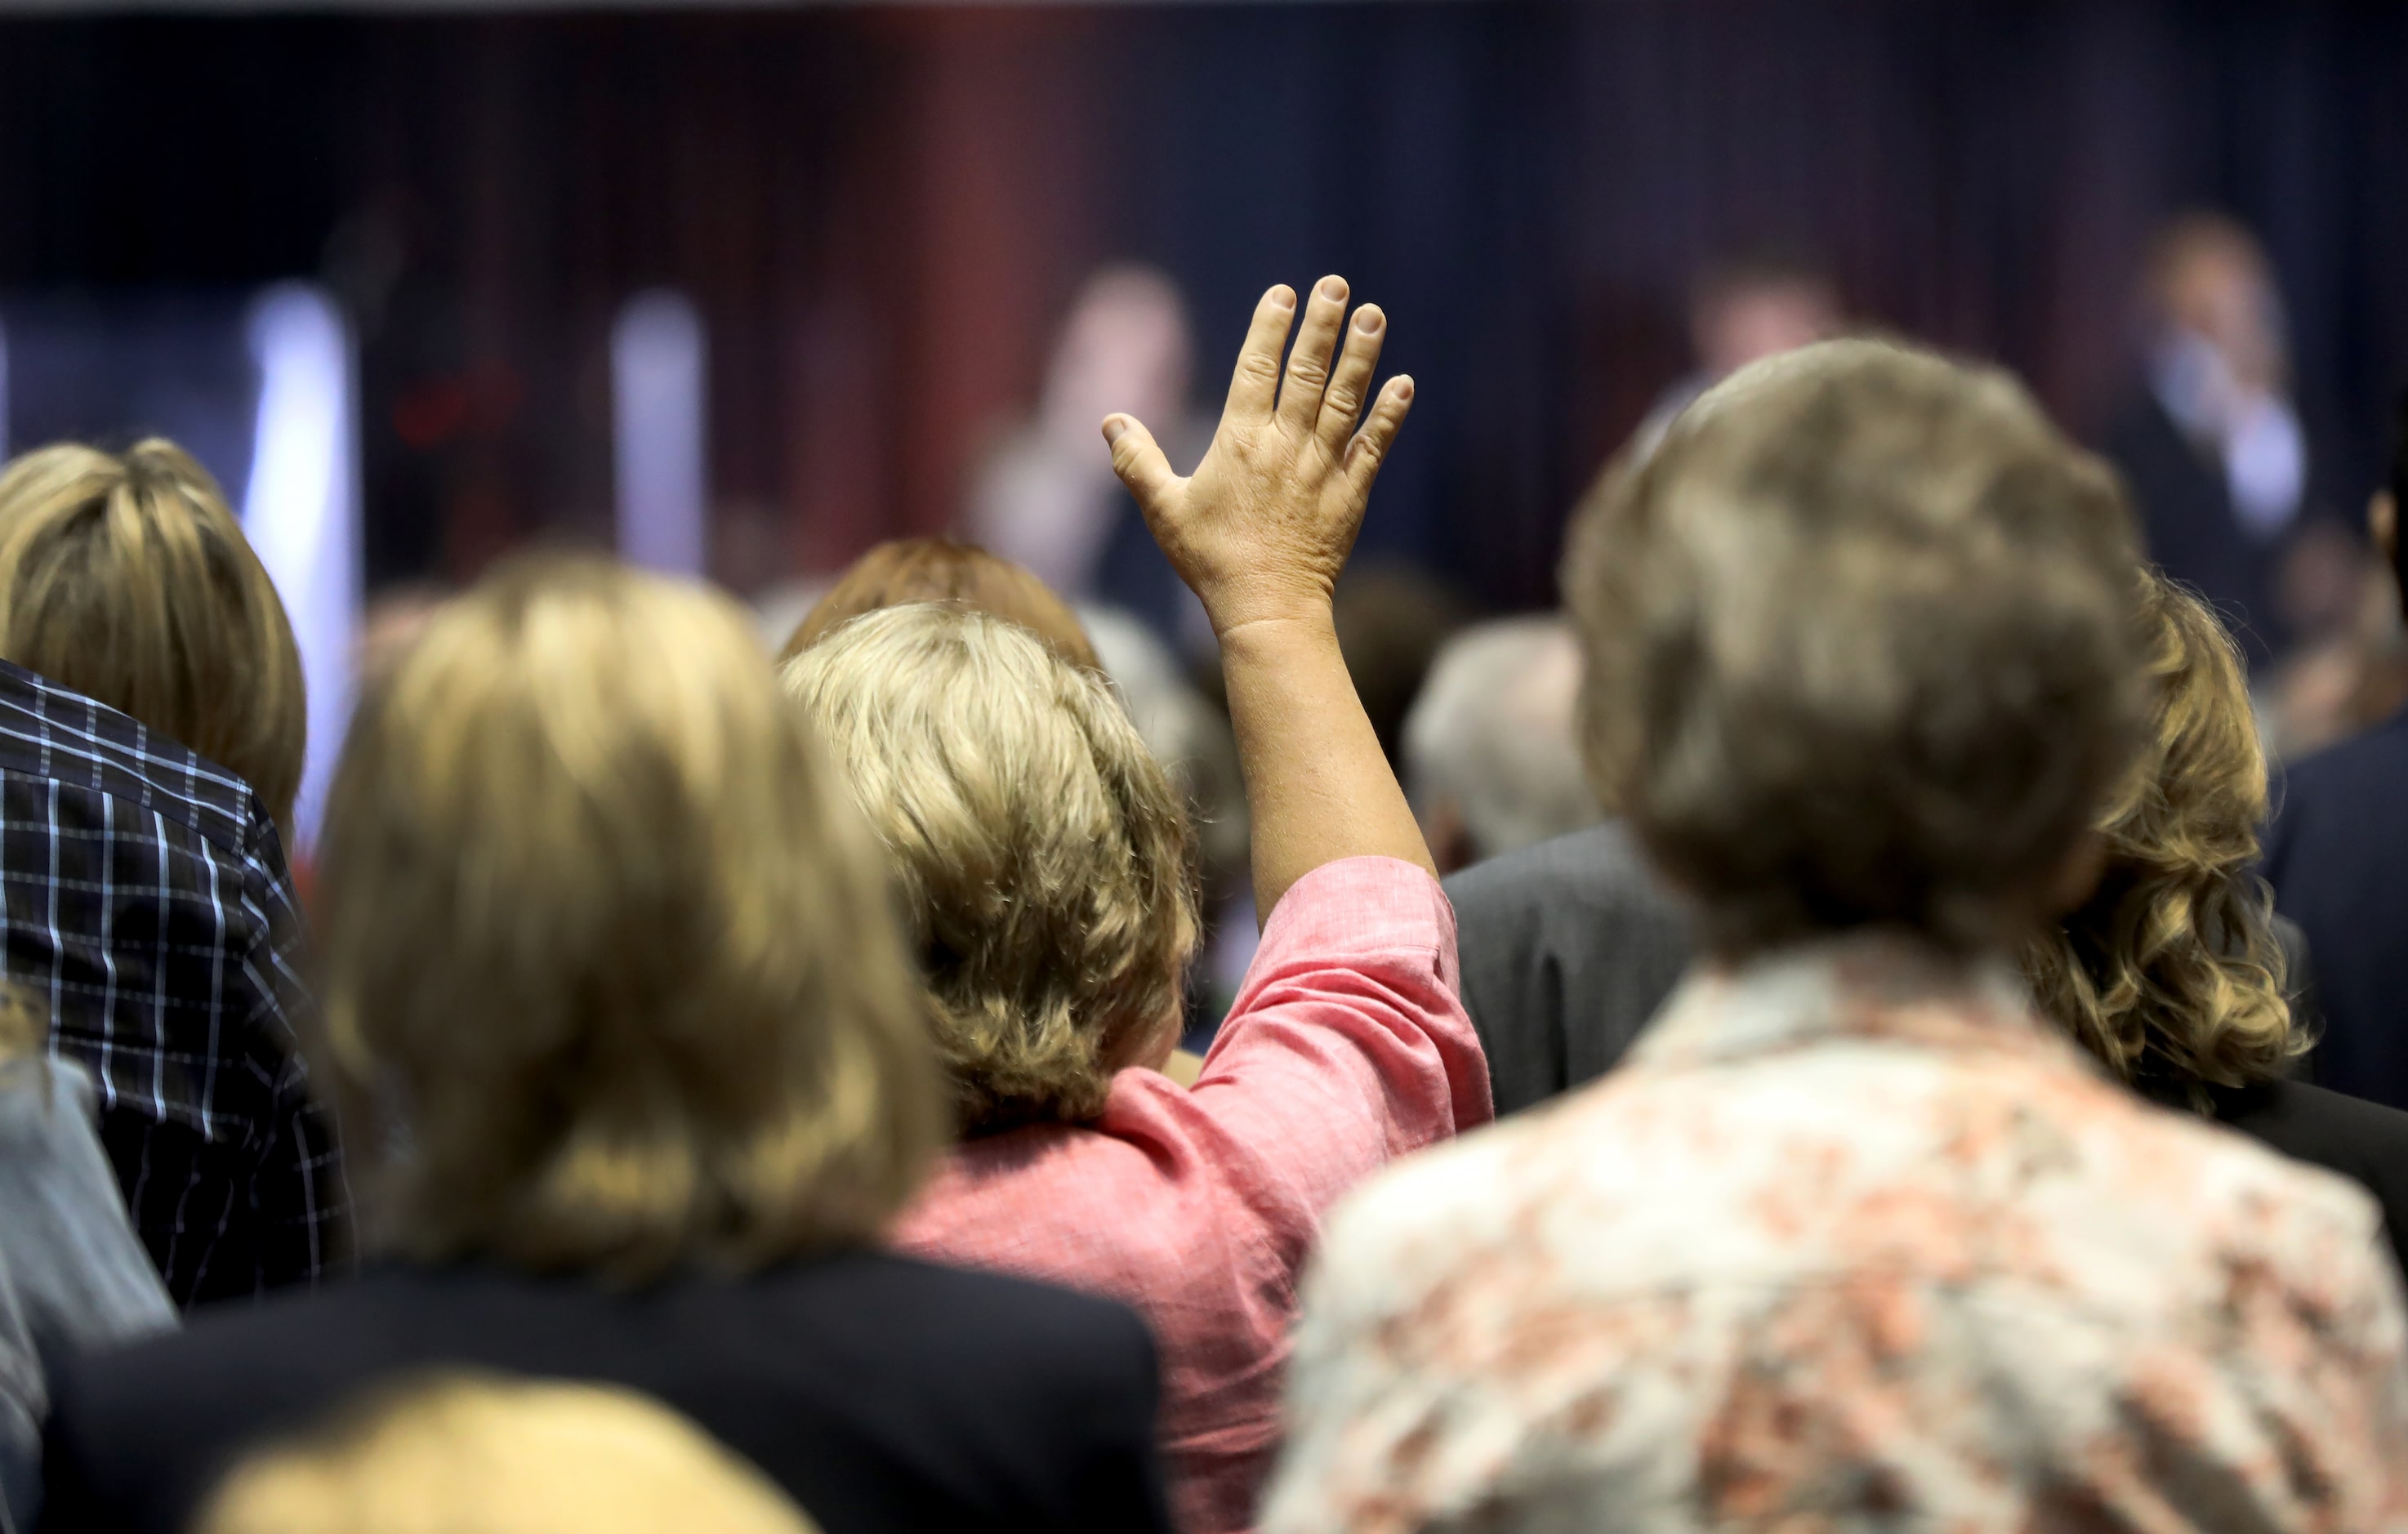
x: 1742, y: 308
x: 1047, y: 499
x: 151, y: 724
x: 620, y: 1020
x: 72, y: 1275
x: 2334, y: 854
x: 1392, y: 620
x: 2175, y: 972
x: 1050, y: 884
x: 1490, y: 760
x: 460, y: 1454
x: 1855, y: 1239
x: 2214, y: 450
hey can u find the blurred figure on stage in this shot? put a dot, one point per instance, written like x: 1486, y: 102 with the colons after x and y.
x: 1747, y: 306
x: 1047, y: 499
x: 2215, y: 451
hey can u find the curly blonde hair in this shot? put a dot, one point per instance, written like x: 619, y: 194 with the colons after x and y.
x: 1047, y: 867
x: 2171, y: 970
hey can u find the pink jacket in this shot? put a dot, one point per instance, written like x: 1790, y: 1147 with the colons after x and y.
x: 1347, y: 1048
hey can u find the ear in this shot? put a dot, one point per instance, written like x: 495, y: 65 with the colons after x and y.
x: 2078, y: 878
x: 2383, y: 524
x: 1449, y: 837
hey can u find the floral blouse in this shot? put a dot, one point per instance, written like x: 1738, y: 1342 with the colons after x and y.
x: 1852, y: 1241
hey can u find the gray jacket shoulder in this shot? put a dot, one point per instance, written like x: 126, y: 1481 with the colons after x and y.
x: 1568, y: 950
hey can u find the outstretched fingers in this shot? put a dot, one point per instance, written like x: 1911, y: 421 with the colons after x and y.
x: 1370, y: 448
x: 1139, y: 461
x: 1254, y: 391
x: 1351, y: 384
x: 1308, y: 361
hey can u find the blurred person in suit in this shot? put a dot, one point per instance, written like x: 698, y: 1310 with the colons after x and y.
x: 2216, y: 450
x: 1743, y: 307
x: 1491, y: 761
x: 618, y: 1008
x: 483, y: 1455
x: 2335, y: 853
x: 1044, y: 499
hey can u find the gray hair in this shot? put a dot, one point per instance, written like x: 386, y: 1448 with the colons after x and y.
x: 1493, y: 732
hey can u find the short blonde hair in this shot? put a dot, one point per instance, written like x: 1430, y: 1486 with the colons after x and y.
x: 126, y: 578
x: 465, y: 1455
x: 2171, y: 968
x: 1861, y: 648
x: 613, y: 979
x: 1047, y: 867
x: 936, y: 569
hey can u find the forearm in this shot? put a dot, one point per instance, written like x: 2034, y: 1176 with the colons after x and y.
x: 1318, y: 787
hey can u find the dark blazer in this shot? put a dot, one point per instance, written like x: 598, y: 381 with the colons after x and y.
x: 2337, y: 855
x: 882, y: 1394
x: 2186, y: 508
x: 1568, y: 948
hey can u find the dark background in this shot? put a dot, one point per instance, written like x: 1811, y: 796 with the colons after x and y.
x: 882, y: 212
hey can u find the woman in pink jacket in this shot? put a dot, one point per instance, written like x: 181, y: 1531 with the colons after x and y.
x: 1047, y: 871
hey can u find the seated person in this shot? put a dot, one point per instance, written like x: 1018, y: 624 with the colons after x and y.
x: 2171, y: 973
x: 2334, y: 854
x: 151, y: 723
x: 1049, y: 885
x: 466, y: 1455
x: 72, y: 1275
x: 615, y: 995
x: 1854, y: 1240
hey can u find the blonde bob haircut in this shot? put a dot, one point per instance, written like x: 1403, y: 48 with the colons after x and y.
x: 2170, y: 971
x: 125, y: 577
x: 1861, y: 643
x: 613, y: 983
x: 1047, y: 867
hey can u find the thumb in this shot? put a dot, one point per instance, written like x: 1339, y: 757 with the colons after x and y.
x: 1139, y: 461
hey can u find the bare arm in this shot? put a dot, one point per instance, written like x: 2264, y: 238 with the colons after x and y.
x: 1259, y: 533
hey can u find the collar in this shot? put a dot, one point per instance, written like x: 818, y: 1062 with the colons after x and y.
x: 1863, y: 986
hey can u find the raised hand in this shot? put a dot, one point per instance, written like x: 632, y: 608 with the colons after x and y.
x: 1262, y: 526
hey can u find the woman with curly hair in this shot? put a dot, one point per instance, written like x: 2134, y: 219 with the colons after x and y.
x: 2173, y: 974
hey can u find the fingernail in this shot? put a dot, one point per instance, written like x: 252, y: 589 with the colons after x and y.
x: 1283, y: 295
x: 1404, y: 388
x: 1115, y: 427
x: 1333, y: 287
x: 1368, y: 320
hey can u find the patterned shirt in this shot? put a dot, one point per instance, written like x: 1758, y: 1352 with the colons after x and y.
x: 145, y: 902
x: 1853, y: 1242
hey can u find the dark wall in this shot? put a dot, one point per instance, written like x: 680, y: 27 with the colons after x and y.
x: 882, y: 212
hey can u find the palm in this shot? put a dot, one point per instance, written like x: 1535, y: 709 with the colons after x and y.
x: 1262, y: 526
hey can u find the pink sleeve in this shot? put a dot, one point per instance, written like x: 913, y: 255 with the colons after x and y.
x: 1348, y: 1045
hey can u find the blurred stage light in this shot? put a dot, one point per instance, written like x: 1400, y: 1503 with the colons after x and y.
x: 658, y: 353
x: 302, y: 507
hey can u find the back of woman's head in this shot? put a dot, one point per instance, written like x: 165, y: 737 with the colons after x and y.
x: 125, y: 577
x: 1045, y: 862
x: 1860, y: 649
x: 903, y: 572
x: 2171, y: 968
x: 613, y: 980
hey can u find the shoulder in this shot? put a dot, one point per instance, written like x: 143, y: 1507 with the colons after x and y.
x: 1601, y: 866
x: 2365, y: 769
x: 52, y: 736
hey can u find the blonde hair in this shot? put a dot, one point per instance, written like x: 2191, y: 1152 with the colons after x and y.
x: 2171, y: 967
x: 937, y: 570
x: 1047, y: 867
x: 125, y: 577
x: 614, y: 982
x: 469, y: 1455
x: 1859, y: 648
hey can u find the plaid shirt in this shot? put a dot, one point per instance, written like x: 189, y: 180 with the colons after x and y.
x: 145, y: 901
